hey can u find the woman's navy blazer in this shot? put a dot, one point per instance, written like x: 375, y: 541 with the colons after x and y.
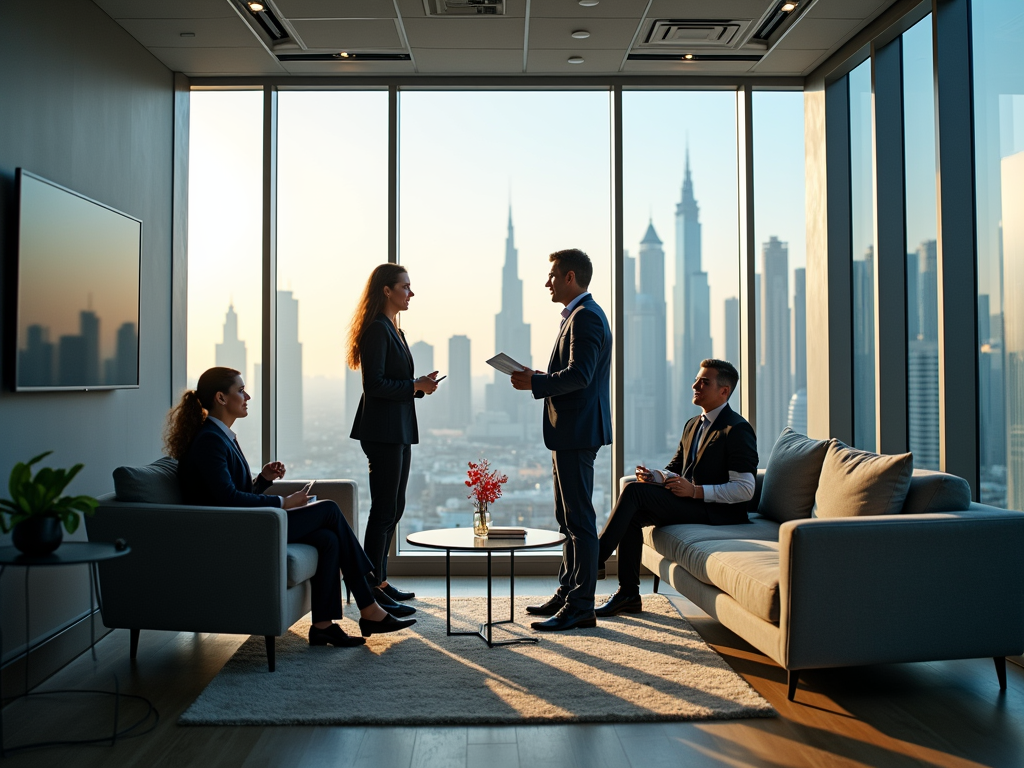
x: 387, y: 411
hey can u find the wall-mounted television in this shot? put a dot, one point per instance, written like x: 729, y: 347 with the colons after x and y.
x: 79, y: 263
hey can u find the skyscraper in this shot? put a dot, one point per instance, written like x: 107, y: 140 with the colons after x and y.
x: 691, y: 302
x: 923, y: 358
x: 864, y: 351
x: 773, y: 352
x: 231, y: 351
x: 423, y: 363
x: 89, y: 323
x: 799, y: 329
x: 460, y: 383
x: 1012, y: 175
x: 732, y: 343
x: 289, y: 379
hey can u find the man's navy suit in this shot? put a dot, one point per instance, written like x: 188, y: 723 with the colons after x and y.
x: 214, y: 472
x: 577, y: 422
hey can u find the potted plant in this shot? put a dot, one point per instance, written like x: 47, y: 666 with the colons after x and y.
x: 36, y: 507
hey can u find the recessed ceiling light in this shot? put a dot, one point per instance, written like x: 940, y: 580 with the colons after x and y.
x: 256, y: 7
x: 589, y: 3
x: 575, y: 59
x: 581, y: 34
x: 787, y: 7
x: 687, y: 57
x: 344, y: 54
x: 186, y: 34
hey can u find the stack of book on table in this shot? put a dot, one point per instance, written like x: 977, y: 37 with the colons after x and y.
x: 506, y: 532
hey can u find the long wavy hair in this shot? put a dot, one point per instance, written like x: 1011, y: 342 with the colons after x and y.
x: 371, y: 304
x: 186, y: 418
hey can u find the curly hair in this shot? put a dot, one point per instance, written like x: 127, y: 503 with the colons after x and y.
x: 371, y: 304
x: 186, y: 418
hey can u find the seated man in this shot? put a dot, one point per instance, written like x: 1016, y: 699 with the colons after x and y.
x: 709, y: 481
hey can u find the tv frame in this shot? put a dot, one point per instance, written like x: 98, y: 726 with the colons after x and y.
x: 15, y: 292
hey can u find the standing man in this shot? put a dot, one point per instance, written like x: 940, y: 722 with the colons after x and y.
x: 709, y: 481
x: 577, y: 422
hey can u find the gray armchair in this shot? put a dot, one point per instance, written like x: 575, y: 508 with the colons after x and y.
x: 207, y: 569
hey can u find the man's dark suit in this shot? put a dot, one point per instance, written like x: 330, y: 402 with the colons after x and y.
x: 577, y: 422
x: 728, y: 445
x: 213, y: 472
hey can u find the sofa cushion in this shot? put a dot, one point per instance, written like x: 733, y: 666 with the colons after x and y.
x: 155, y: 483
x: 791, y: 479
x: 673, y: 541
x: 301, y: 563
x: 936, y: 492
x: 857, y: 483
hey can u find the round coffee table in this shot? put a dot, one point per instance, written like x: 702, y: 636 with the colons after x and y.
x: 463, y: 540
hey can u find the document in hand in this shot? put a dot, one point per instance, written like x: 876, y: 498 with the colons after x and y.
x: 505, y: 364
x: 661, y: 476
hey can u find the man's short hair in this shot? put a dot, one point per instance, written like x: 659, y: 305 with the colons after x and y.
x: 727, y: 376
x: 574, y: 260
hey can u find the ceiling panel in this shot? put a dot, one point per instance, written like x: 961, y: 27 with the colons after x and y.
x: 788, y: 62
x: 594, y: 62
x: 846, y: 9
x: 468, y: 61
x: 349, y: 34
x: 604, y: 33
x: 219, y: 61
x: 348, y: 68
x: 571, y: 9
x: 810, y: 34
x: 702, y: 9
x: 336, y: 9
x: 161, y: 9
x: 209, y: 33
x: 413, y: 9
x: 703, y: 68
x: 465, y: 33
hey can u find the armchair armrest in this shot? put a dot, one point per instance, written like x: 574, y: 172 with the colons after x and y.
x: 863, y: 590
x: 344, y: 493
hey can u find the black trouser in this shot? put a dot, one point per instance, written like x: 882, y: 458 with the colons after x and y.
x: 322, y: 525
x: 573, y: 475
x: 643, y: 504
x: 389, y: 476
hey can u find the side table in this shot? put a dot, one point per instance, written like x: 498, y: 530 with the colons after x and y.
x: 68, y: 553
x: 463, y: 540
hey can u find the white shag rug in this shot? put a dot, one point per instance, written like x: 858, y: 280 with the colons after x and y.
x: 635, y: 667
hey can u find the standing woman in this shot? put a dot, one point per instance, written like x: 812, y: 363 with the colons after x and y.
x: 385, y: 423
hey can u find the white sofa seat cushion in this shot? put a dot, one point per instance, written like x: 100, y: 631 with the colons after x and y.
x: 301, y: 563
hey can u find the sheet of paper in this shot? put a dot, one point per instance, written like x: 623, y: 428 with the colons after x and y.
x: 505, y: 364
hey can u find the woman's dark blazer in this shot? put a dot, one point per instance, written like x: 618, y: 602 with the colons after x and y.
x: 386, y: 413
x: 214, y: 472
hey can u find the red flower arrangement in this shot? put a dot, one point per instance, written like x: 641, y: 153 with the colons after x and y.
x: 484, y: 482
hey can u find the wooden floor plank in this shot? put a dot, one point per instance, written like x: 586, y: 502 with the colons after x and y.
x: 492, y: 755
x: 440, y: 748
x: 546, y: 746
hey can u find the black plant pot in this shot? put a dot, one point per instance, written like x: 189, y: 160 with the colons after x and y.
x: 38, y: 536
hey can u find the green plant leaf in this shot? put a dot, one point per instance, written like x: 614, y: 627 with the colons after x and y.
x: 71, y: 521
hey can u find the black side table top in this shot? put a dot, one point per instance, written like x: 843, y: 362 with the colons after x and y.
x: 68, y: 553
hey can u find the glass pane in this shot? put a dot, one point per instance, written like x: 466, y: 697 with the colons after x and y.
x: 862, y: 204
x: 332, y: 232
x: 680, y: 199
x: 491, y: 184
x: 225, y: 245
x: 999, y: 160
x: 781, y: 279
x: 922, y: 286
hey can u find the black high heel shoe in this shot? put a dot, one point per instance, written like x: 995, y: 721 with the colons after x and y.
x: 389, y: 605
x: 388, y: 624
x: 396, y: 594
x: 333, y: 635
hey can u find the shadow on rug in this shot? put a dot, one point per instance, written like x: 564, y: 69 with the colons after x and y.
x: 643, y: 667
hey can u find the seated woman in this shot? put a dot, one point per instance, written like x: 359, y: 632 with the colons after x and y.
x: 212, y: 471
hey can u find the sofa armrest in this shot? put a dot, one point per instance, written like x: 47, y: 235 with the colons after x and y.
x: 200, y: 569
x: 344, y: 493
x: 862, y: 590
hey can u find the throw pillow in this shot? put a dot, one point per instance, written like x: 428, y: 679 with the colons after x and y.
x: 858, y: 483
x: 936, y: 492
x: 791, y: 478
x: 155, y: 483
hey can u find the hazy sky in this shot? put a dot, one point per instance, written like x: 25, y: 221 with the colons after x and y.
x: 464, y: 156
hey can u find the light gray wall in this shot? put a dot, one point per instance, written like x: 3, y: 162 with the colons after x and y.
x: 86, y: 106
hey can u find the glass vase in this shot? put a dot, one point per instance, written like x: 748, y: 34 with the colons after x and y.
x: 481, y: 521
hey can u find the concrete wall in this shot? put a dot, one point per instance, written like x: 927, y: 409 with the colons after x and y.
x: 86, y: 106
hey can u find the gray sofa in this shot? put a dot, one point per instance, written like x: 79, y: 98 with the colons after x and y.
x: 204, y: 569
x: 940, y: 579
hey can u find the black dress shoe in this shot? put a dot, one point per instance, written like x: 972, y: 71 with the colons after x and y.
x: 567, y: 618
x: 333, y: 635
x: 618, y: 603
x: 390, y: 624
x: 389, y: 605
x: 550, y: 608
x: 397, y: 594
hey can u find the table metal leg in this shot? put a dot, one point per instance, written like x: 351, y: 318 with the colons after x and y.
x: 448, y: 586
x: 511, y: 585
x: 3, y: 752
x: 93, y: 579
x: 489, y: 617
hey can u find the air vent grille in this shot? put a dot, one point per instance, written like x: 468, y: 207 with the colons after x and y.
x: 699, y: 34
x: 464, y: 7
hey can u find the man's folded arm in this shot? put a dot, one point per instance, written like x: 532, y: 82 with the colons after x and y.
x: 740, y: 488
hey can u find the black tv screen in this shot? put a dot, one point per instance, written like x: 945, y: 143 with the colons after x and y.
x: 78, y: 290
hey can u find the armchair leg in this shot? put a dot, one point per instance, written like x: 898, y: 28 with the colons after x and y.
x: 657, y: 582
x: 348, y: 595
x: 271, y: 656
x: 1001, y: 671
x: 793, y: 676
x: 133, y: 643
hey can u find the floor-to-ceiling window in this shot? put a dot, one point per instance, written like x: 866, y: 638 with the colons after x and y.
x: 332, y: 220
x: 922, y: 277
x: 491, y: 183
x: 225, y: 244
x: 781, y: 275
x: 862, y: 206
x: 999, y: 160
x: 681, y: 272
